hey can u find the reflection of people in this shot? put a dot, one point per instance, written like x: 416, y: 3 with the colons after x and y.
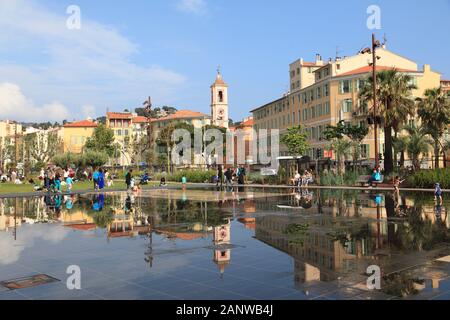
x: 438, y: 210
x: 99, y: 202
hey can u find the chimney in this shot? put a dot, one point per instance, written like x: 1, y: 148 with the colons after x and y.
x: 319, y: 61
x: 426, y: 68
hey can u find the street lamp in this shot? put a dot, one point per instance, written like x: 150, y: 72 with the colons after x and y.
x: 375, y: 45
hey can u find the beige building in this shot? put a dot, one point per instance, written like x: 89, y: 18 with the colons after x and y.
x: 75, y: 134
x: 324, y: 94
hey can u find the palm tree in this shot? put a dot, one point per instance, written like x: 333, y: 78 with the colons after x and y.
x: 400, y: 144
x: 342, y: 148
x: 395, y: 104
x: 418, y: 143
x: 434, y: 111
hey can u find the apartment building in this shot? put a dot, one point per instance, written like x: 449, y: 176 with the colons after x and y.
x: 75, y: 134
x: 333, y: 96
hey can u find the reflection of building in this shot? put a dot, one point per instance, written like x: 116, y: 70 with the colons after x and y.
x: 222, y: 242
x: 122, y: 225
x: 317, y: 255
x: 77, y: 220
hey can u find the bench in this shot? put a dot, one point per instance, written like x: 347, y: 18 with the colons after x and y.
x: 364, y: 181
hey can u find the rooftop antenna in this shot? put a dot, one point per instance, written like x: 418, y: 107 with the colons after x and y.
x: 218, y: 69
x: 385, y: 40
x: 337, y: 52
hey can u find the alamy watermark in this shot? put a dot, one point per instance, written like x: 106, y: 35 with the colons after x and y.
x: 374, y: 19
x: 73, y: 22
x: 233, y: 147
x: 374, y: 280
x: 73, y: 282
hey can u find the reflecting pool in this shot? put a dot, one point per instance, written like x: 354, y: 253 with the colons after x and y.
x: 212, y: 244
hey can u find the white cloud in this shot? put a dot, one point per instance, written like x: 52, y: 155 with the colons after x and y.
x: 15, y: 105
x: 197, y: 7
x: 29, y: 236
x: 88, y: 111
x: 87, y: 67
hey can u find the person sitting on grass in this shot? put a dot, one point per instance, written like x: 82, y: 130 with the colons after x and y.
x: 163, y: 183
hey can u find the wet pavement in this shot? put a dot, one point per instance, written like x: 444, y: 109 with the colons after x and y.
x: 256, y: 244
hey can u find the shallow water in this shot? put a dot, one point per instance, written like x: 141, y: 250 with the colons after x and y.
x: 209, y: 244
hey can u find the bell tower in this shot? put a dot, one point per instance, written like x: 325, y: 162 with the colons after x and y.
x: 219, y: 102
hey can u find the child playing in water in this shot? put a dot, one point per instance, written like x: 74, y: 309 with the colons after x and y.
x: 438, y: 193
x: 183, y: 182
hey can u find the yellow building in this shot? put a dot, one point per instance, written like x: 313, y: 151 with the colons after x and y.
x: 75, y: 135
x: 324, y: 94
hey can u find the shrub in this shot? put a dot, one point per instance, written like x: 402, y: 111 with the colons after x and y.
x: 428, y: 178
x: 192, y: 176
x: 348, y: 179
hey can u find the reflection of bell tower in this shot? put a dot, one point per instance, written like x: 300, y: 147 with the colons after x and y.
x: 219, y: 102
x: 222, y: 251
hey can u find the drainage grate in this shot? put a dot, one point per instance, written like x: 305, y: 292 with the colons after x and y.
x: 27, y: 282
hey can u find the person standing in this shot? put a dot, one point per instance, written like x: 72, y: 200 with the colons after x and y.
x: 219, y: 176
x: 438, y: 193
x: 95, y: 177
x: 13, y: 176
x: 101, y: 179
x: 241, y: 175
x: 128, y: 178
x: 229, y: 178
x: 69, y: 184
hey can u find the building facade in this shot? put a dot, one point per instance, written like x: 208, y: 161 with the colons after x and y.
x: 75, y: 134
x: 324, y: 94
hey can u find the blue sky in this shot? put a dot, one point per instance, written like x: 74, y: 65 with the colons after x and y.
x: 127, y: 50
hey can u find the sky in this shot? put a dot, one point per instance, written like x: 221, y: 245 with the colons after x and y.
x: 126, y: 51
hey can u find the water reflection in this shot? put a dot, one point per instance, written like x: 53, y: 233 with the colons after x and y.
x: 332, y: 236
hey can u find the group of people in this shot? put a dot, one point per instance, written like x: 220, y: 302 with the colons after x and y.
x: 54, y: 179
x: 101, y: 178
x: 303, y: 179
x: 229, y: 175
x: 12, y: 177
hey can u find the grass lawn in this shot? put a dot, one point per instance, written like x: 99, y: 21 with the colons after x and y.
x: 9, y: 188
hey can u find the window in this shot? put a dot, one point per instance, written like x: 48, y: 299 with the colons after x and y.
x: 119, y: 132
x: 345, y: 86
x: 311, y: 95
x: 360, y: 83
x: 293, y: 117
x: 327, y: 108
x: 220, y: 96
x: 326, y: 89
x: 319, y: 92
x: 365, y: 151
x: 319, y: 110
x: 347, y: 105
x: 313, y: 112
x: 298, y: 70
x: 305, y: 100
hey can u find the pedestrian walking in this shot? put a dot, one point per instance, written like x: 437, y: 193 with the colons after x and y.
x: 128, y: 179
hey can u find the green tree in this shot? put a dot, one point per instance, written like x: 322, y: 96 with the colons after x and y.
x: 296, y: 141
x: 102, y: 140
x: 434, y: 111
x: 356, y: 134
x: 418, y: 144
x: 395, y: 103
x: 165, y: 140
x: 400, y: 145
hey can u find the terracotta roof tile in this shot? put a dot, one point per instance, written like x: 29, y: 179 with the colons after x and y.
x: 119, y: 115
x: 182, y: 114
x: 82, y: 124
x: 140, y: 119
